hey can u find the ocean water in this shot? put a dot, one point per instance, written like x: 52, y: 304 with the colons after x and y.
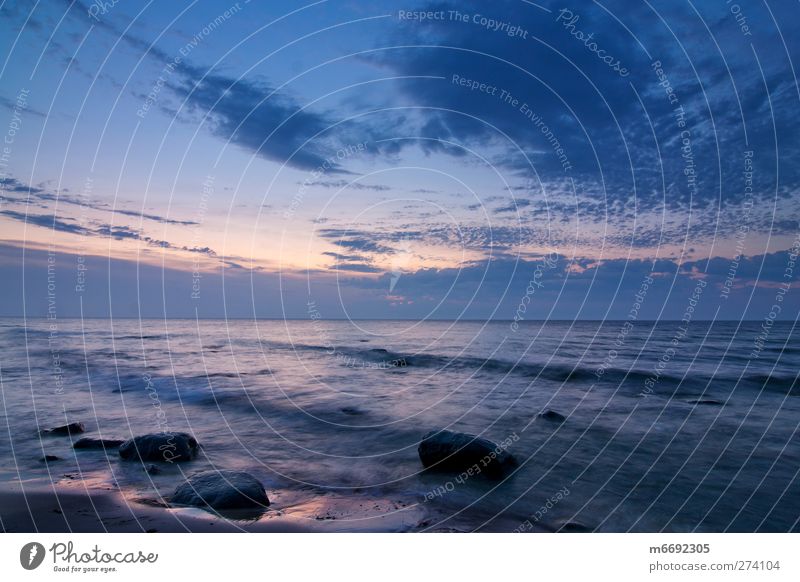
x: 667, y: 429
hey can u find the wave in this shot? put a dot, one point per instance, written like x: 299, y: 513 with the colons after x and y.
x: 383, y: 358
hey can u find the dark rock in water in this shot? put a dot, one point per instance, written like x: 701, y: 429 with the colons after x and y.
x: 352, y: 411
x: 66, y: 430
x: 456, y: 451
x: 48, y: 458
x: 90, y: 443
x: 706, y: 401
x: 222, y: 490
x: 163, y: 446
x: 153, y: 470
x: 553, y: 416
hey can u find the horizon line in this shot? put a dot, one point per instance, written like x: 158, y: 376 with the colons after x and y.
x: 472, y: 320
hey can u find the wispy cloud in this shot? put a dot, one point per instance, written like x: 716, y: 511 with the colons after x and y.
x: 352, y: 185
x: 116, y: 232
x: 38, y: 193
x: 57, y: 224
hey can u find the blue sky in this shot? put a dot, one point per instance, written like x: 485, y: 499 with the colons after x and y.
x: 399, y: 160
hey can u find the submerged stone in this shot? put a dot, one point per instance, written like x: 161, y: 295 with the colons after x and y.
x: 171, y: 447
x: 66, y: 430
x: 456, y: 451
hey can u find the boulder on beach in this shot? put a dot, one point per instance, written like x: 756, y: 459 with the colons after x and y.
x: 222, y: 490
x: 66, y: 430
x: 457, y: 451
x: 553, y: 416
x: 49, y: 458
x: 90, y: 443
x: 172, y: 447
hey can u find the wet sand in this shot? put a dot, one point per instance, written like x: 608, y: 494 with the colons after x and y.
x: 57, y: 511
x: 78, y: 509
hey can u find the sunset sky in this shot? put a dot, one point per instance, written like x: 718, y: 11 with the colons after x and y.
x: 240, y: 159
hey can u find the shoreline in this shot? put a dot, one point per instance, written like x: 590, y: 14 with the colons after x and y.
x: 78, y: 507
x: 58, y: 509
x: 86, y: 507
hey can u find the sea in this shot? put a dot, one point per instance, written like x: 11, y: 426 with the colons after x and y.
x: 666, y: 427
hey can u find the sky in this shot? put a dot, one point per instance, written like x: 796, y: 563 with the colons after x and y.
x: 400, y: 160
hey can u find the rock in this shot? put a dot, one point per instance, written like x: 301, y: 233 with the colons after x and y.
x: 67, y: 429
x: 163, y: 446
x: 352, y: 411
x: 153, y: 470
x: 553, y: 416
x: 222, y: 490
x: 456, y: 451
x: 90, y: 443
x: 48, y: 458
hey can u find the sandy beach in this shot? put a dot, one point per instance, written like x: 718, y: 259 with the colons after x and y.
x: 89, y: 507
x: 78, y: 508
x: 85, y: 511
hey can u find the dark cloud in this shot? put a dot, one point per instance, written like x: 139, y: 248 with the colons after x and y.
x: 360, y: 241
x: 583, y: 289
x: 514, y: 206
x: 362, y: 244
x: 253, y: 115
x: 247, y: 112
x: 118, y: 232
x: 770, y: 267
x: 45, y: 221
x: 596, y: 115
x: 155, y: 217
x: 12, y: 105
x: 14, y: 185
x: 341, y: 257
x: 357, y: 268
